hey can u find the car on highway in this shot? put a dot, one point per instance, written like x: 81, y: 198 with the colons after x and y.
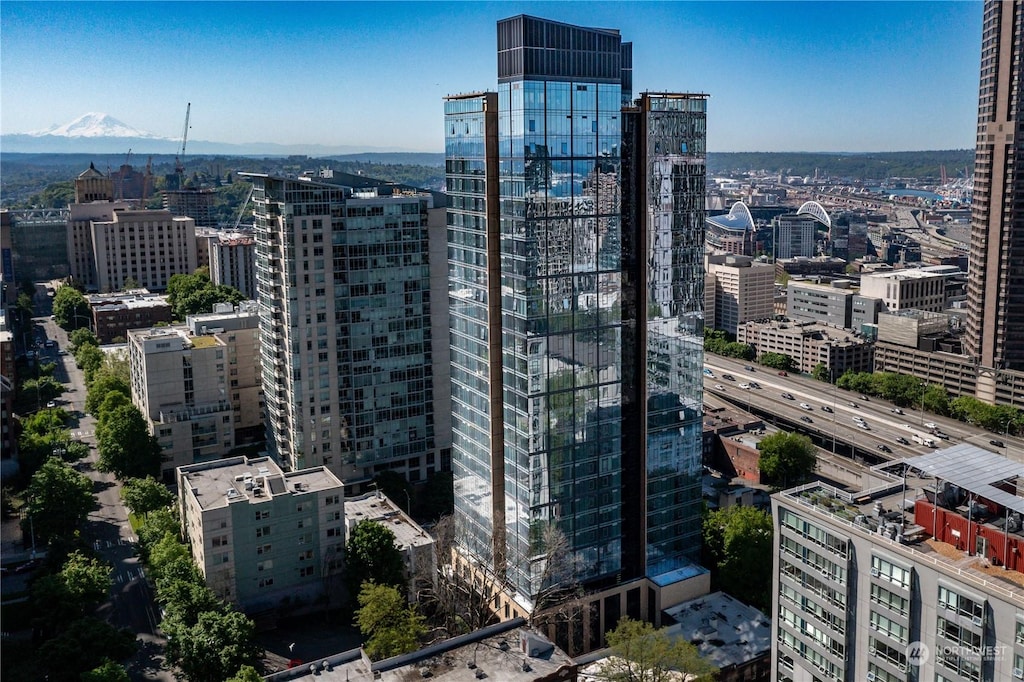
x: 749, y: 368
x: 864, y: 397
x: 745, y: 385
x: 719, y: 387
x: 728, y: 377
x: 896, y: 410
x: 853, y: 404
x: 783, y: 374
x: 754, y: 384
x: 997, y: 443
x: 805, y: 406
x: 826, y: 408
x: 931, y: 425
x: 858, y: 419
x: 787, y: 396
x: 807, y: 419
x: 864, y: 426
x: 709, y: 373
x: 902, y: 441
x: 884, y: 448
x: 943, y: 436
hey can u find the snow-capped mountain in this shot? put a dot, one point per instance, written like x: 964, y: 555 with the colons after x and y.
x: 95, y: 124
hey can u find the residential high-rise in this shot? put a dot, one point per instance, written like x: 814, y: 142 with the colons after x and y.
x: 576, y: 235
x: 995, y: 291
x: 345, y: 321
x: 147, y: 246
x: 743, y: 289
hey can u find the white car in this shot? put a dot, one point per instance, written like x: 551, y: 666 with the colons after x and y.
x: 931, y: 425
x: 744, y: 385
x: 719, y: 387
x: 806, y: 406
x: 864, y: 426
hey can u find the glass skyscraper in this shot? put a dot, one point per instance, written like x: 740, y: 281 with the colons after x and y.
x: 575, y: 223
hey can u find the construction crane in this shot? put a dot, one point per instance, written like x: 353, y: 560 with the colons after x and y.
x: 179, y: 158
x: 241, y: 211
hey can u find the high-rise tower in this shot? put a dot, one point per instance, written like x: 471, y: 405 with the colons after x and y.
x: 576, y: 223
x: 995, y: 290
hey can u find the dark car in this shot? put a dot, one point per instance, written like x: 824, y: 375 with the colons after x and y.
x: 826, y: 408
x: 749, y: 368
x: 783, y: 374
x: 754, y: 384
x: 787, y: 396
x: 884, y: 448
x: 728, y: 377
x: 807, y: 419
x: 902, y: 441
x: 997, y: 443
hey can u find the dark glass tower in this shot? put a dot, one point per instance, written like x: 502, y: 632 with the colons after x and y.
x: 995, y: 291
x: 576, y: 224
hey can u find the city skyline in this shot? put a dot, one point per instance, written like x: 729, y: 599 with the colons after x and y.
x: 782, y: 76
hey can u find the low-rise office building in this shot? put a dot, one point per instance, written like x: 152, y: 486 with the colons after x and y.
x: 114, y: 315
x: 263, y: 538
x: 808, y: 344
x: 830, y: 304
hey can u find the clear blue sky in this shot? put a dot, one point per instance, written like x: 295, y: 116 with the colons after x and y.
x: 783, y: 76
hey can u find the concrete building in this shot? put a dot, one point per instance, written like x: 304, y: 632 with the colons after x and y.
x: 819, y: 265
x: 830, y: 304
x: 917, y: 288
x: 415, y: 544
x: 192, y: 203
x: 995, y: 292
x: 915, y: 577
x: 576, y: 308
x: 263, y: 538
x: 730, y: 635
x: 864, y: 312
x: 505, y: 652
x: 344, y: 282
x: 148, y: 247
x: 114, y: 315
x: 80, y: 252
x: 198, y: 385
x: 796, y: 234
x: 744, y: 289
x: 809, y: 343
x: 232, y: 259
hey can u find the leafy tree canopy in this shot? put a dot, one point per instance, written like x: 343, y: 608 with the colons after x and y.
x: 125, y: 445
x: 371, y: 555
x: 641, y: 653
x: 386, y: 618
x: 104, y: 382
x: 109, y: 671
x: 84, y: 646
x: 143, y: 495
x: 195, y: 293
x: 215, y: 648
x: 70, y: 309
x: 786, y: 458
x: 779, y: 361
x: 59, y: 499
x: 82, y: 337
x: 738, y: 542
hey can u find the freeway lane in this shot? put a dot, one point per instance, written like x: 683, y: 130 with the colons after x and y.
x: 885, y: 426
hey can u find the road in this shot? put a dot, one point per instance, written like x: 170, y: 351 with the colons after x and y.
x: 131, y: 603
x: 884, y: 425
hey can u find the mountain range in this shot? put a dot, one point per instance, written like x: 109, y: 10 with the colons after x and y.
x: 99, y: 133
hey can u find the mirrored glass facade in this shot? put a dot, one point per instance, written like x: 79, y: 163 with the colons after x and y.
x: 576, y: 313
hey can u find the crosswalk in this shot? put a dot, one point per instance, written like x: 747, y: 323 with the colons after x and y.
x: 79, y: 435
x: 130, y: 575
x: 107, y: 544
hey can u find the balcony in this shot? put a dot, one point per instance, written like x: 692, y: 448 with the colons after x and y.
x: 186, y: 413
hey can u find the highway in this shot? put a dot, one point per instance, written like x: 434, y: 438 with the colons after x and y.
x: 884, y: 425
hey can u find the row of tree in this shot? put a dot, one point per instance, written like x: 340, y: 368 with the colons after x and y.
x: 720, y: 342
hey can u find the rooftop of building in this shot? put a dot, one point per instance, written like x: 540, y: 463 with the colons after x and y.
x: 223, y: 316
x: 725, y: 631
x: 506, y: 652
x: 378, y: 507
x: 960, y: 477
x: 819, y: 330
x: 254, y: 480
x: 133, y: 298
x: 909, y: 274
x: 726, y: 418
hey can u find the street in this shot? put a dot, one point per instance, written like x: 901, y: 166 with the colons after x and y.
x: 131, y: 602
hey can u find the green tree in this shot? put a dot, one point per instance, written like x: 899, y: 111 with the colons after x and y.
x: 215, y: 648
x: 392, y: 625
x: 738, y: 544
x: 155, y: 526
x: 143, y: 495
x: 820, y: 372
x: 108, y: 671
x: 80, y: 586
x: 104, y: 383
x: 125, y: 445
x: 59, y: 499
x: 779, y: 361
x: 786, y: 458
x: 54, y: 195
x: 936, y: 399
x: 371, y: 555
x: 40, y: 391
x: 165, y: 553
x: 195, y: 293
x: 23, y: 310
x: 246, y: 673
x: 185, y: 597
x: 83, y: 646
x: 89, y: 359
x: 641, y: 653
x: 82, y: 337
x: 70, y: 309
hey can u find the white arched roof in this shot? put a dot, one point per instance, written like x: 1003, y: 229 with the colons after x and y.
x: 817, y: 211
x: 741, y: 212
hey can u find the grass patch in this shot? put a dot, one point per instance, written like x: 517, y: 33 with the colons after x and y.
x: 135, y: 522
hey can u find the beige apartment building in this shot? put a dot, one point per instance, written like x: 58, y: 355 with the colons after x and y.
x: 738, y: 289
x: 199, y: 385
x: 146, y: 246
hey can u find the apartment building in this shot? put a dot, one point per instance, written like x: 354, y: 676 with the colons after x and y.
x: 80, y: 252
x: 114, y: 315
x: 263, y: 538
x: 148, y: 247
x: 232, y: 259
x: 915, y: 577
x: 198, y: 385
x: 918, y: 288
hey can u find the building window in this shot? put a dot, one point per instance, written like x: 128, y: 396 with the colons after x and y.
x: 332, y: 499
x: 305, y: 539
x: 265, y: 565
x: 306, y: 572
x: 300, y: 507
x: 266, y: 582
x: 334, y: 516
x: 334, y: 532
x: 263, y: 549
x: 263, y: 531
x: 262, y: 514
x: 306, y: 556
x: 303, y: 523
x: 219, y: 541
